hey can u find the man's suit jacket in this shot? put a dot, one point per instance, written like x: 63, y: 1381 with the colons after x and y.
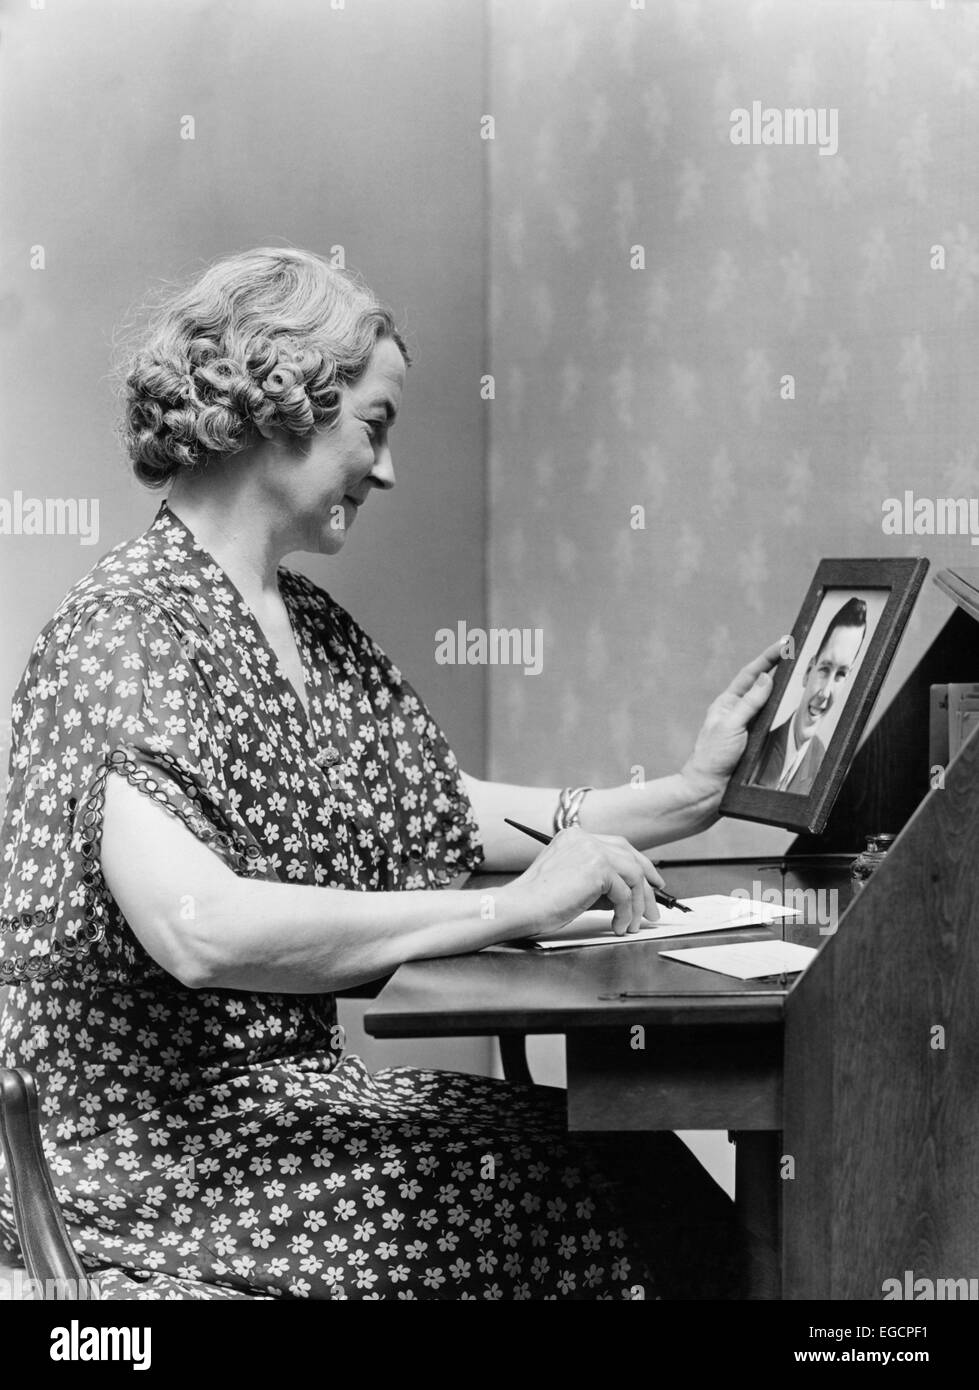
x: 773, y: 758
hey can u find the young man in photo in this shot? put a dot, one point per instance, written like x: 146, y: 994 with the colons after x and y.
x: 793, y: 752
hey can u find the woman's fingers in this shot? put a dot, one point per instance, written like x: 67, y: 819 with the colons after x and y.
x: 619, y: 893
x: 646, y: 865
x: 641, y: 876
x: 628, y: 879
x: 638, y: 885
x: 627, y: 868
x: 749, y: 674
x: 755, y: 698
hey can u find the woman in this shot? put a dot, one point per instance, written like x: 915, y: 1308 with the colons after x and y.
x: 221, y: 789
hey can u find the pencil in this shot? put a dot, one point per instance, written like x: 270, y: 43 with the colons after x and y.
x: 664, y: 899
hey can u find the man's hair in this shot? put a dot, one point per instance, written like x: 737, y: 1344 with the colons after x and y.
x: 264, y: 339
x: 852, y: 614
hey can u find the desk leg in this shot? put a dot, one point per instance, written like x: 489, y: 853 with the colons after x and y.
x: 757, y: 1201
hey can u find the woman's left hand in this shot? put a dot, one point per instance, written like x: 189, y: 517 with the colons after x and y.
x: 724, y: 733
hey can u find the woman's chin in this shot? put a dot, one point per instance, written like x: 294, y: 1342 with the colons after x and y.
x: 333, y: 530
x: 331, y: 540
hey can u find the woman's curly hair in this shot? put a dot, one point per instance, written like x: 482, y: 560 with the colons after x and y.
x: 263, y: 339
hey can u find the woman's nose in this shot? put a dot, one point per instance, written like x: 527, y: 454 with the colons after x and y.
x: 383, y: 471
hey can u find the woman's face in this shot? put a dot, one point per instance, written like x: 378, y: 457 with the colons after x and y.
x: 326, y: 477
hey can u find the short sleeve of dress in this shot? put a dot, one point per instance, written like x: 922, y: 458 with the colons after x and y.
x: 116, y: 686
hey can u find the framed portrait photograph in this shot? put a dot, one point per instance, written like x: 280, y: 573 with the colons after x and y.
x: 834, y: 662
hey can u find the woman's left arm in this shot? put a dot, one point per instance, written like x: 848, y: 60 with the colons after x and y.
x: 647, y: 813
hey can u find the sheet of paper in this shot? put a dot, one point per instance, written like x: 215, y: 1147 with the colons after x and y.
x: 715, y: 912
x: 747, y: 960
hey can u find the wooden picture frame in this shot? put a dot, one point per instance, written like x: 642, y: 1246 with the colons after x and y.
x: 786, y: 743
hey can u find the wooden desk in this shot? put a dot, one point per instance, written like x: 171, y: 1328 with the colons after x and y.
x: 861, y: 1075
x: 702, y: 1051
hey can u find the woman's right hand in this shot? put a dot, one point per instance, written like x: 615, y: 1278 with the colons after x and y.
x: 573, y: 871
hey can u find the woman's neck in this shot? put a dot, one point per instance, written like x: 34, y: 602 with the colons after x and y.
x: 237, y: 528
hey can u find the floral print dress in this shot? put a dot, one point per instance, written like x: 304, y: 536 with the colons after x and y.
x: 223, y: 1144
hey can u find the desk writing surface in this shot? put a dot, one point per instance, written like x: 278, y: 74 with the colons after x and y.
x: 559, y: 991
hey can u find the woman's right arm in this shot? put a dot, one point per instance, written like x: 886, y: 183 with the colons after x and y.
x: 208, y: 927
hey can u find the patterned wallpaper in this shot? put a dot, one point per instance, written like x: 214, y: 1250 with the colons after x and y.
x: 664, y: 387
